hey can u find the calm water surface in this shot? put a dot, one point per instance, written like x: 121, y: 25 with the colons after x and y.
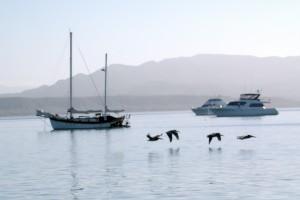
x: 37, y: 163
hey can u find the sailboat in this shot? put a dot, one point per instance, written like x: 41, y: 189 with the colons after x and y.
x: 101, y: 119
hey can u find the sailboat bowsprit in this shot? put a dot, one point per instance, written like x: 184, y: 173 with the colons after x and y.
x: 98, y: 121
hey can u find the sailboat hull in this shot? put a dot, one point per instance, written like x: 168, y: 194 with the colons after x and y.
x: 77, y: 123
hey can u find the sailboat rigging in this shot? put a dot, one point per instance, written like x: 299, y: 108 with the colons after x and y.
x: 101, y: 119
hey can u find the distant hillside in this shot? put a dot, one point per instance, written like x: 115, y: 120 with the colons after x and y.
x: 204, y: 75
x: 22, y: 106
x: 171, y: 84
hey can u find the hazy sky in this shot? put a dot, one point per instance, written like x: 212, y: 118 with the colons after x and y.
x: 34, y: 33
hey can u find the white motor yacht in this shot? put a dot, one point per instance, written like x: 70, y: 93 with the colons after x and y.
x: 211, y: 103
x: 249, y: 104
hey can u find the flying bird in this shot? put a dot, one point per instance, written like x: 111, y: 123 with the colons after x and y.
x: 211, y: 136
x: 172, y: 132
x: 242, y: 137
x: 154, y: 138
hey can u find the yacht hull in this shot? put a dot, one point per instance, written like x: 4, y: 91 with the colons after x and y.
x: 202, y: 111
x: 243, y: 112
x: 210, y: 103
x: 69, y: 124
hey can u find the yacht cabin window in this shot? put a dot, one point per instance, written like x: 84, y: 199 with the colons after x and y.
x: 237, y: 103
x: 256, y: 105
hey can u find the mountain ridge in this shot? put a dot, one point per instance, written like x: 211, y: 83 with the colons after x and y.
x: 201, y: 74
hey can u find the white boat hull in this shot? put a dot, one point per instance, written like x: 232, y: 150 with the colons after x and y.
x: 243, y: 112
x: 210, y: 103
x: 202, y: 111
x: 61, y: 125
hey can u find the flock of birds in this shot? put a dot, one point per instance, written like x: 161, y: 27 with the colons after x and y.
x: 210, y: 136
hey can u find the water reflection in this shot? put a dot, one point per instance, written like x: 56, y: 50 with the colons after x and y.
x: 247, y: 151
x: 174, y: 151
x: 153, y: 157
x: 75, y: 186
x: 107, y: 139
x: 215, y: 150
x: 113, y: 174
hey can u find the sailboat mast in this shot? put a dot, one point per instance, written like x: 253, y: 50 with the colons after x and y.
x: 105, y: 80
x: 71, y: 95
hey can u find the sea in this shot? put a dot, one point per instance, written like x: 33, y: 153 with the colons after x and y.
x: 39, y: 163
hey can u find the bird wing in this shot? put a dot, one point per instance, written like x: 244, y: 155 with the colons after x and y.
x: 176, y: 134
x: 169, y: 135
x: 210, y: 138
x: 219, y: 137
